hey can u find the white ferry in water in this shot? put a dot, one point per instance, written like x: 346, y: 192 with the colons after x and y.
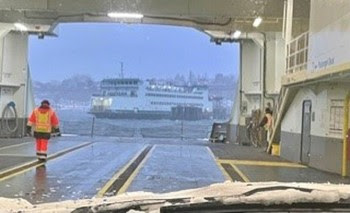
x: 132, y: 98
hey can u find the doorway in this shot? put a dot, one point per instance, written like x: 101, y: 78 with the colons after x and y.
x: 306, y: 133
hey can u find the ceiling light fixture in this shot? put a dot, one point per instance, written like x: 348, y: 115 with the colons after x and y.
x: 257, y: 22
x: 237, y: 34
x: 125, y: 15
x: 21, y: 27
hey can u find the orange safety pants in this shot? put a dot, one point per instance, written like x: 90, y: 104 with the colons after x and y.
x: 41, y: 148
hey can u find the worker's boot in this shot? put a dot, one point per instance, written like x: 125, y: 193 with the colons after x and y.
x: 42, y: 157
x: 41, y: 160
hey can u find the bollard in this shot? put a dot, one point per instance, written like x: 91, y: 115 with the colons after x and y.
x: 92, y: 126
x: 182, y: 130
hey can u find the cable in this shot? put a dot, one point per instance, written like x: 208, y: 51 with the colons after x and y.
x: 9, y: 108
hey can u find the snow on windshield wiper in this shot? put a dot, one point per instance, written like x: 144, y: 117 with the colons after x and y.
x: 138, y: 205
x: 285, y: 198
x: 214, y: 198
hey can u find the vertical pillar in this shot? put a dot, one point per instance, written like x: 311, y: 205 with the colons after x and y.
x: 248, y: 90
x: 4, y: 30
x: 345, y: 135
x: 233, y: 125
x: 14, y: 79
x: 289, y: 21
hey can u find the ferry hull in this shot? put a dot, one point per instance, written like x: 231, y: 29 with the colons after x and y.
x: 177, y: 113
x: 148, y: 115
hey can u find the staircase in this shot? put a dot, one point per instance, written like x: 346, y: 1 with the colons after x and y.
x: 285, y: 98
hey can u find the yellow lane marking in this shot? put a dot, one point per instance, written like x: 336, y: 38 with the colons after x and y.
x: 115, y: 177
x: 35, y: 164
x: 263, y: 163
x: 15, y: 145
x: 226, y: 175
x: 136, y: 171
x: 21, y: 171
x: 240, y: 173
x: 223, y: 171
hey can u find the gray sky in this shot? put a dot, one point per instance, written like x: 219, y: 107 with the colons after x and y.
x: 147, y: 51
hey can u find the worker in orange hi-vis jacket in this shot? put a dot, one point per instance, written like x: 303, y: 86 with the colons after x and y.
x: 45, y: 121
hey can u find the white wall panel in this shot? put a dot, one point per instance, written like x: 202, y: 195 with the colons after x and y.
x: 329, y: 34
x: 292, y: 119
x: 14, y: 71
x: 251, y: 67
x: 321, y: 97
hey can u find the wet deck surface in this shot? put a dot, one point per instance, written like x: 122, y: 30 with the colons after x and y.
x: 19, y: 153
x: 172, y: 168
x: 233, y: 151
x: 78, y: 174
x: 169, y: 165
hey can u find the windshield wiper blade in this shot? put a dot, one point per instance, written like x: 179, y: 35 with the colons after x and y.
x: 219, y: 207
x: 274, y: 188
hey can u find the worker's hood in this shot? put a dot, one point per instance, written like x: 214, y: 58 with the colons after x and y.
x: 224, y: 195
x: 44, y: 108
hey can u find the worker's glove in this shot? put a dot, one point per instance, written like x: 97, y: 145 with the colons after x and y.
x: 29, y: 131
x: 58, y: 132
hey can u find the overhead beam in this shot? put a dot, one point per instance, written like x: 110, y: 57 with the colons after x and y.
x: 203, y: 8
x: 223, y: 15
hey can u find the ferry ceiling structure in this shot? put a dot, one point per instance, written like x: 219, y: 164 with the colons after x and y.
x: 220, y: 19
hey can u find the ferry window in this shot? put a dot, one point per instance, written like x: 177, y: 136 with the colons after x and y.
x: 336, y: 116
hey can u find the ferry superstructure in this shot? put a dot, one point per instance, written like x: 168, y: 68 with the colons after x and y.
x: 134, y: 98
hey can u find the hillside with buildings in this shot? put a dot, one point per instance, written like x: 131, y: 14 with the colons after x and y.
x: 75, y: 92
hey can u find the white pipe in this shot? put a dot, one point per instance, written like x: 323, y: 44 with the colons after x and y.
x: 284, y: 19
x: 289, y: 21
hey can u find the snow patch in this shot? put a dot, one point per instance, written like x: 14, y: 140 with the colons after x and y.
x: 228, y: 193
x: 288, y: 196
x: 198, y: 200
x: 135, y: 211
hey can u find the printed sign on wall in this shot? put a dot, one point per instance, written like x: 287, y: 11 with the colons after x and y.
x: 330, y: 46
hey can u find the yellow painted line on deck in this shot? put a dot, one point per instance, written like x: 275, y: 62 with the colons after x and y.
x: 21, y: 172
x: 263, y: 163
x: 126, y: 185
x: 115, y: 177
x: 53, y: 156
x: 226, y: 175
x: 240, y: 173
x: 223, y: 171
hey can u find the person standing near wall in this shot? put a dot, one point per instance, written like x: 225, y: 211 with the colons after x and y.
x: 267, y: 122
x: 44, y: 120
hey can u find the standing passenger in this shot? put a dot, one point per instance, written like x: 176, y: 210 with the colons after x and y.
x: 267, y: 122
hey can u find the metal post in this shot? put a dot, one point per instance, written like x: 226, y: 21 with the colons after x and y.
x: 182, y: 123
x: 25, y: 100
x: 122, y: 69
x: 345, y: 135
x: 289, y: 21
x: 92, y: 126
